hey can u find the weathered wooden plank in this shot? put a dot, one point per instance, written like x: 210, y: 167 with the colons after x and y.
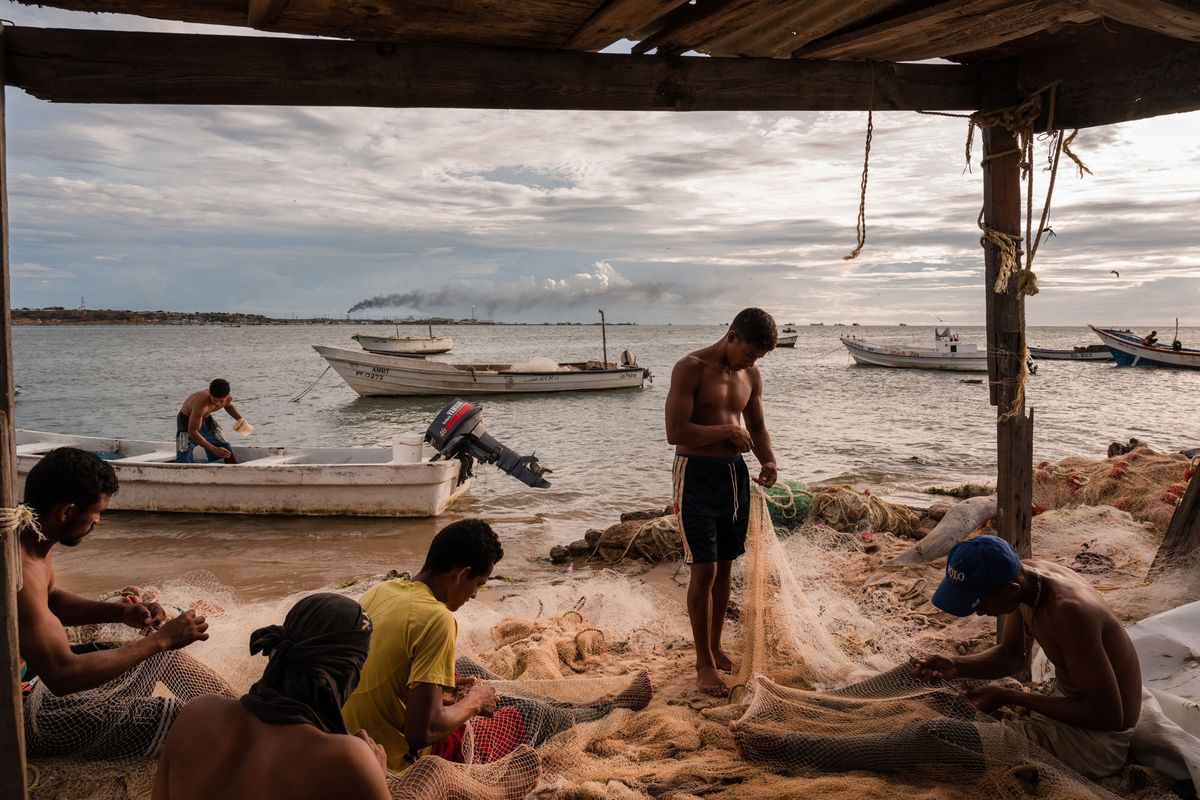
x: 1166, y: 84
x: 264, y: 13
x: 121, y: 67
x: 955, y: 26
x: 1179, y: 545
x: 777, y: 31
x: 529, y: 23
x: 1176, y: 18
x: 699, y: 23
x: 12, y: 734
x: 619, y: 19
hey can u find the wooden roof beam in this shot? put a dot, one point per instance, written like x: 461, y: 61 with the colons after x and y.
x: 263, y: 14
x: 93, y: 66
x: 1178, y: 19
x: 788, y: 27
x: 619, y: 19
x: 948, y: 28
x: 698, y: 23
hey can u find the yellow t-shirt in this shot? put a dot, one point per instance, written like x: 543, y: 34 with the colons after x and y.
x: 412, y: 642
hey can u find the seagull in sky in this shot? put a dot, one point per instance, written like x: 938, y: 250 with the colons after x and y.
x: 1114, y: 272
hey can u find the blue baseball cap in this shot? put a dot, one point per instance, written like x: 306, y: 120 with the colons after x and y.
x: 975, y: 569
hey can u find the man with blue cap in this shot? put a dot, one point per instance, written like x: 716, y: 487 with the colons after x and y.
x: 1097, y: 697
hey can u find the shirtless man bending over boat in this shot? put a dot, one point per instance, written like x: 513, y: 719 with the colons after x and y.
x: 713, y: 391
x: 1086, y: 722
x: 194, y: 424
x: 93, y: 699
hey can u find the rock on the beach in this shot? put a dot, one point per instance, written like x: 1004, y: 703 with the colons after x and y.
x: 559, y: 554
x: 593, y: 536
x: 580, y: 547
x: 645, y: 514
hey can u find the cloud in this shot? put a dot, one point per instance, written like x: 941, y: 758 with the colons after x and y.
x: 310, y: 210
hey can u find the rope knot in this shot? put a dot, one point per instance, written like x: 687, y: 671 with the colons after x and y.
x: 1027, y: 283
x: 17, y: 520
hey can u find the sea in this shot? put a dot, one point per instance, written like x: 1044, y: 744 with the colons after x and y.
x: 830, y: 422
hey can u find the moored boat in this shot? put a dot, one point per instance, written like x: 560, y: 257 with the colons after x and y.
x: 375, y: 375
x: 787, y: 336
x: 1089, y: 352
x: 404, y: 345
x: 948, y: 353
x: 1130, y: 350
x: 396, y: 481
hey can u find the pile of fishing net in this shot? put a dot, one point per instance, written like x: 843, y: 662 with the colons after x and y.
x: 1147, y: 484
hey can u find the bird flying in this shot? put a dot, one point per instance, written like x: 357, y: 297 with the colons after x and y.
x: 1114, y: 272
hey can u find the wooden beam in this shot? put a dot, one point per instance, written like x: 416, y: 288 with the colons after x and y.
x: 1178, y: 19
x: 1179, y: 545
x: 1167, y: 83
x: 1006, y: 317
x: 12, y: 732
x: 121, y: 67
x: 619, y: 19
x: 948, y: 28
x: 264, y: 14
x: 701, y: 22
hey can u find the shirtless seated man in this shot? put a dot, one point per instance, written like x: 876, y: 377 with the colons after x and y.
x: 1088, y: 720
x: 712, y: 392
x: 194, y: 425
x: 93, y: 699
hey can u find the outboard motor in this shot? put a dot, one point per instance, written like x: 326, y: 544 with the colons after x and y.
x: 457, y: 432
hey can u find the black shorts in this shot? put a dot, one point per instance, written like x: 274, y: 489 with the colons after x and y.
x: 712, y: 500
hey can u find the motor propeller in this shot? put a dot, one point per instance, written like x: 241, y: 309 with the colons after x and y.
x: 457, y: 432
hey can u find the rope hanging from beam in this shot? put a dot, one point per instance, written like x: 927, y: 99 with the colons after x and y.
x: 860, y: 227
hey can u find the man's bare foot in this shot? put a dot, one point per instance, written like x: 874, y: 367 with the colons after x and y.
x: 724, y: 662
x: 709, y: 682
x: 637, y: 695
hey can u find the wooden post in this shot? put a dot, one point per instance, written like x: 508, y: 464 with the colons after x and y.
x: 1006, y: 317
x: 603, y: 338
x: 12, y: 733
x: 1183, y: 534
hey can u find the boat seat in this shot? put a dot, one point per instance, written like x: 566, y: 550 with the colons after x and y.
x: 157, y: 457
x: 274, y: 461
x: 33, y: 448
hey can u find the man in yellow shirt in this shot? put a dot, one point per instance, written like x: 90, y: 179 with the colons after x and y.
x: 414, y: 699
x: 401, y: 699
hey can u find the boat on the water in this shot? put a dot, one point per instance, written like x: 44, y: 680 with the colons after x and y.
x: 1130, y: 350
x: 396, y: 481
x: 948, y: 353
x: 1088, y: 352
x: 374, y: 375
x: 404, y: 345
x: 787, y: 336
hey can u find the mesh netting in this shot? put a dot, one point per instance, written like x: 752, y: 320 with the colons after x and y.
x: 1147, y: 484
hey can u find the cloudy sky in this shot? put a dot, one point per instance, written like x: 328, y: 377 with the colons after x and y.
x: 535, y: 215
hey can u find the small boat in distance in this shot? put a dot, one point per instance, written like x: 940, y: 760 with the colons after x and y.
x: 1088, y: 352
x: 787, y: 336
x: 947, y: 353
x: 396, y: 481
x: 404, y: 345
x: 374, y: 375
x: 1130, y: 350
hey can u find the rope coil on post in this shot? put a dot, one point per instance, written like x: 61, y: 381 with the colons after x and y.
x: 22, y: 517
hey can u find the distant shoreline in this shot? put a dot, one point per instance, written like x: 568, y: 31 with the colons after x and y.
x: 79, y: 316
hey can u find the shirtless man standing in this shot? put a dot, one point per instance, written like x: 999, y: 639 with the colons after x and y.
x: 194, y: 424
x: 712, y: 391
x: 93, y: 699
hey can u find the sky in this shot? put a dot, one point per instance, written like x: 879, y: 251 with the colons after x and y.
x: 538, y: 215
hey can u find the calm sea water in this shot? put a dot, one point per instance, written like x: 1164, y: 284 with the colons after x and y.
x: 829, y: 421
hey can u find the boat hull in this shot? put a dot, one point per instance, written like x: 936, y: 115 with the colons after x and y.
x: 403, y: 346
x: 368, y: 482
x: 1128, y: 351
x: 383, y: 376
x: 873, y: 355
x: 1075, y: 354
x: 787, y: 340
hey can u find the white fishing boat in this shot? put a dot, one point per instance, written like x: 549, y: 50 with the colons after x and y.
x: 376, y: 375
x: 1090, y: 352
x: 396, y: 481
x: 787, y: 337
x: 404, y: 345
x: 948, y: 353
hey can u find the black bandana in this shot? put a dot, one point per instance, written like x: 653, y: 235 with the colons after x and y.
x: 315, y: 660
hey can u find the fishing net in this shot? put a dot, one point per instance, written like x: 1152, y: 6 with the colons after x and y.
x: 1147, y: 484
